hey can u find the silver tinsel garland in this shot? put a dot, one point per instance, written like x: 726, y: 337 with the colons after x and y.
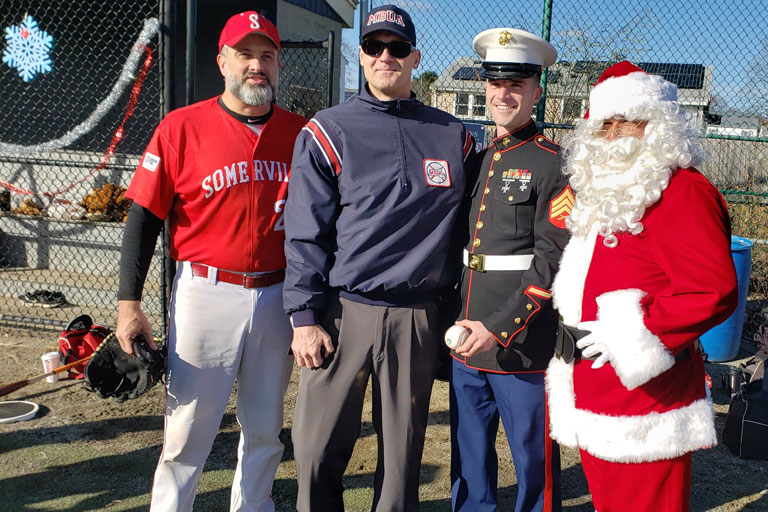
x: 127, y: 76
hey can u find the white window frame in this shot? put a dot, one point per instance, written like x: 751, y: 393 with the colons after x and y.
x: 471, y: 104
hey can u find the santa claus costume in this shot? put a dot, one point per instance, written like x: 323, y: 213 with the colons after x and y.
x: 647, y: 271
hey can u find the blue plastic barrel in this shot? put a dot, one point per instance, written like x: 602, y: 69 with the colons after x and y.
x: 721, y: 343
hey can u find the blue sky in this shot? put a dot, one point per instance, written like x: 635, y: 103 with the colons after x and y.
x: 726, y: 34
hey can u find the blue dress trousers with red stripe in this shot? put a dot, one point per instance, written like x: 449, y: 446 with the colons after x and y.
x: 519, y: 203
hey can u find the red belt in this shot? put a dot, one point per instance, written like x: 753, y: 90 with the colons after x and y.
x: 243, y: 280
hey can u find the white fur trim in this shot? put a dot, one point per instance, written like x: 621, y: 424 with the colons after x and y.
x: 637, y: 355
x: 630, y: 96
x: 568, y: 285
x: 561, y: 402
x: 654, y: 436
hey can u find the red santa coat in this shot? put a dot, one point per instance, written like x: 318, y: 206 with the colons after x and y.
x: 651, y: 297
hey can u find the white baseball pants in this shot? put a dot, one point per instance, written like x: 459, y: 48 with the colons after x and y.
x: 220, y: 332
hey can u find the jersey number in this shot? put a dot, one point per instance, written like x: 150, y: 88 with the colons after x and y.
x: 279, y: 226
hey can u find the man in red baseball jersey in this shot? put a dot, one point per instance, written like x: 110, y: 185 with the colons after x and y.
x: 647, y: 271
x: 218, y: 171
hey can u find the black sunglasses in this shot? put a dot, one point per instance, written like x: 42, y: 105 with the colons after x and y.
x: 397, y: 49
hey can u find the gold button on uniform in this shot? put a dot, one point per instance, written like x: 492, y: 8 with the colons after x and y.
x: 528, y: 307
x: 476, y: 243
x: 479, y: 225
x: 482, y: 207
x: 504, y: 334
x: 539, y: 139
x: 486, y: 191
x: 517, y: 321
x: 497, y: 156
x: 490, y: 173
x: 511, y: 198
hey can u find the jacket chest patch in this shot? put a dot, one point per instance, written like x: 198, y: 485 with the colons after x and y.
x: 436, y: 173
x: 515, y: 177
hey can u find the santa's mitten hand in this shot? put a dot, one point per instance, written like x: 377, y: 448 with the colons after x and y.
x: 603, y: 358
x: 635, y: 353
x: 592, y: 346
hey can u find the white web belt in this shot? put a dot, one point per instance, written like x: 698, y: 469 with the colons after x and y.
x: 491, y: 262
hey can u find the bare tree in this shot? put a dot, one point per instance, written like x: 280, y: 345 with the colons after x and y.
x: 351, y: 72
x: 606, y: 43
x: 756, y: 87
x: 422, y: 86
x: 584, y: 54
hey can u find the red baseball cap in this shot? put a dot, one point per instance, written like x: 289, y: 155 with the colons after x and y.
x: 248, y: 22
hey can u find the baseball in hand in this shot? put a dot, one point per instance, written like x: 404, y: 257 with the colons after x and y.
x: 455, y: 336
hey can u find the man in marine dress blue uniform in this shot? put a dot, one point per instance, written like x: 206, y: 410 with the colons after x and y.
x: 516, y: 236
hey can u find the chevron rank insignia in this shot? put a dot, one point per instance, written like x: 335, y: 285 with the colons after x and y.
x: 560, y: 207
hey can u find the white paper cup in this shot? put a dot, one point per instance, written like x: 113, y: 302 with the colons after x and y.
x: 50, y: 363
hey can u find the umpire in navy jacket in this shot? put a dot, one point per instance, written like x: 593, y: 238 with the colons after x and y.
x: 375, y: 187
x: 516, y: 234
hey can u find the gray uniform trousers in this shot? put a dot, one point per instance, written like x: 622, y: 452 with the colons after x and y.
x: 398, y: 348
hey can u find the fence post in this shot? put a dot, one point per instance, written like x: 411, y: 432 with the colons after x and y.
x: 189, y: 86
x: 169, y: 266
x: 330, y: 96
x: 546, y: 22
x: 364, y: 8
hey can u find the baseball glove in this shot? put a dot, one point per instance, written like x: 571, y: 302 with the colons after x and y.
x: 111, y: 372
x: 107, y: 202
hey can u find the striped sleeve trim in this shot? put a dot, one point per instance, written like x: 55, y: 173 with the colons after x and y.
x: 539, y: 292
x: 467, y: 145
x: 325, y: 145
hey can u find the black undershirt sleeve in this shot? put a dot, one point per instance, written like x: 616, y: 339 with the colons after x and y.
x: 139, y: 239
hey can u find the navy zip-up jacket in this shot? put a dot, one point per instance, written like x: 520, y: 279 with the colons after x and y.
x: 374, y: 191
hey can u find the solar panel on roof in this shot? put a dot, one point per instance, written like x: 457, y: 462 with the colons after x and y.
x: 467, y: 73
x: 685, y: 76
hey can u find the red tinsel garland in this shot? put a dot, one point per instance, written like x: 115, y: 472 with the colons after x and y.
x: 116, y: 137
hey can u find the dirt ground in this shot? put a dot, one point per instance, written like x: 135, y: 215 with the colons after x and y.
x: 82, y: 453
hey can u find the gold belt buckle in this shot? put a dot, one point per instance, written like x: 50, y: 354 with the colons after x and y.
x: 477, y: 262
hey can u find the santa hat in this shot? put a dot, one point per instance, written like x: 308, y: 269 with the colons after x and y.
x: 626, y: 90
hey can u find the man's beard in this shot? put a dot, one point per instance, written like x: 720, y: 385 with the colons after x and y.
x: 251, y: 94
x: 614, y: 181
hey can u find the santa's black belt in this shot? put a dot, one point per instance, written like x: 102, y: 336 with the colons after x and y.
x: 565, y: 342
x: 566, y: 349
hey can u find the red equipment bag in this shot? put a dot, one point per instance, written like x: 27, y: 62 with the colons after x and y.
x: 79, y: 339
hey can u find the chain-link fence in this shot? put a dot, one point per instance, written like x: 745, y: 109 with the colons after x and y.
x: 69, y: 127
x: 82, y: 87
x: 716, y: 53
x: 79, y: 99
x: 304, y: 77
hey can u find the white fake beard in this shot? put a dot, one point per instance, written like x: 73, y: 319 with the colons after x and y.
x: 615, y: 181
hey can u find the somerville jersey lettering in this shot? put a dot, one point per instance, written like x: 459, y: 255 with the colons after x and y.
x: 238, y: 173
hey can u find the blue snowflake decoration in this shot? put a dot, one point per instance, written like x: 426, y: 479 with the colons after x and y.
x: 28, y: 49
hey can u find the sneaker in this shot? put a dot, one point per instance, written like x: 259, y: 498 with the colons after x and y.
x: 43, y: 298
